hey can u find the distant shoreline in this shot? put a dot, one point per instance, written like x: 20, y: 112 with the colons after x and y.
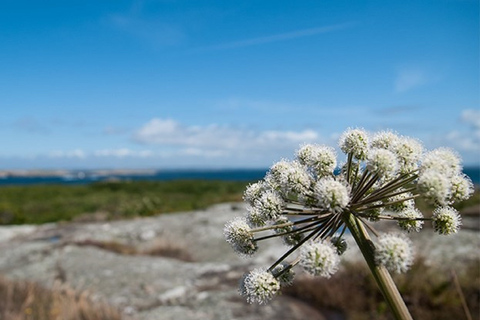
x: 64, y: 176
x: 29, y: 177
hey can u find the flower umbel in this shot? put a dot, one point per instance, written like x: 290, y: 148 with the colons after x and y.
x: 310, y: 205
x: 319, y: 258
x: 446, y: 220
x: 238, y: 233
x: 395, y: 252
x: 259, y: 286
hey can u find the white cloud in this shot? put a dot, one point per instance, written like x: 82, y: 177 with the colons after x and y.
x: 104, y: 153
x: 280, y: 37
x: 154, y: 31
x: 410, y: 78
x: 472, y: 117
x: 466, y: 139
x: 122, y: 153
x: 77, y: 153
x: 469, y: 138
x: 221, y: 141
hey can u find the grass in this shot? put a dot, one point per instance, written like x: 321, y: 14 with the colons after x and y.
x: 23, y: 300
x: 35, y: 204
x: 429, y: 293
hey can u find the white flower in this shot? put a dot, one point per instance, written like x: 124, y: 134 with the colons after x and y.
x: 237, y: 232
x: 410, y: 225
x: 395, y: 252
x: 319, y: 258
x: 434, y: 186
x: 461, y: 187
x: 259, y: 286
x: 443, y: 160
x: 331, y: 194
x: 384, y: 140
x: 255, y: 216
x: 409, y: 152
x: 355, y: 141
x: 382, y: 162
x: 270, y: 205
x: 253, y: 192
x: 399, y: 202
x: 446, y: 220
x: 321, y: 159
x: 289, y: 176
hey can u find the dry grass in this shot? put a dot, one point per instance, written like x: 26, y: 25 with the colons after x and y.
x: 159, y: 248
x: 429, y: 293
x: 22, y: 300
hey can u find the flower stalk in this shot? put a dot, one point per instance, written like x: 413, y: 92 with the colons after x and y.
x: 380, y: 273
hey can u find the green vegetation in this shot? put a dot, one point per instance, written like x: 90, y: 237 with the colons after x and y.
x: 34, y: 204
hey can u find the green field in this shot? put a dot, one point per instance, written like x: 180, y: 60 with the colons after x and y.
x: 34, y: 204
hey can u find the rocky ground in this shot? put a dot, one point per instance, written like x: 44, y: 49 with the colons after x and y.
x: 197, y: 276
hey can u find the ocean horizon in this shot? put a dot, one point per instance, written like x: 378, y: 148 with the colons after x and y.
x: 72, y: 177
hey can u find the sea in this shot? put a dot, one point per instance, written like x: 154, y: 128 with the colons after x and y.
x: 75, y: 177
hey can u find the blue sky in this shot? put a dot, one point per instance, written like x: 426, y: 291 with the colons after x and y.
x: 176, y: 84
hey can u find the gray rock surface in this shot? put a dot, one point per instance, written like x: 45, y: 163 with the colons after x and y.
x: 155, y: 287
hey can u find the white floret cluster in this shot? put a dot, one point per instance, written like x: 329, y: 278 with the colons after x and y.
x: 319, y: 258
x: 331, y: 195
x: 395, y: 252
x: 259, y: 286
x: 310, y: 201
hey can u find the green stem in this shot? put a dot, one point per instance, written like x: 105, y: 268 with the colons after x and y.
x: 380, y: 273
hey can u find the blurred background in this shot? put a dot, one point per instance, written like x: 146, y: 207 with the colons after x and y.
x: 148, y: 84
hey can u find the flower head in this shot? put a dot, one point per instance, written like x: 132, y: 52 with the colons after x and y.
x: 400, y: 202
x: 289, y: 177
x: 384, y: 140
x: 321, y: 159
x: 238, y: 233
x: 253, y: 192
x: 395, y: 252
x: 270, y: 204
x: 259, y: 286
x: 446, y: 220
x: 434, y: 186
x: 355, y: 141
x: 331, y: 194
x: 461, y: 187
x: 382, y: 161
x: 409, y: 152
x: 255, y: 217
x: 319, y: 258
x: 413, y: 224
x: 442, y: 160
